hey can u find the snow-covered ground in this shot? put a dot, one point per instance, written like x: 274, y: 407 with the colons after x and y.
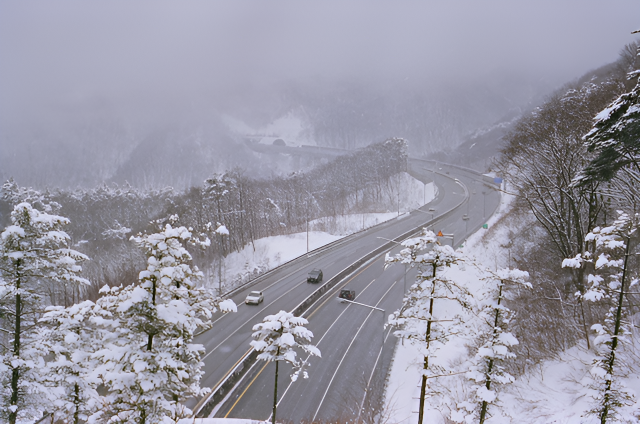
x: 270, y: 252
x: 217, y: 421
x: 553, y: 392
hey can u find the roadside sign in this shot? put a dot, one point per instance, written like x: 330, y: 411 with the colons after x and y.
x: 440, y: 234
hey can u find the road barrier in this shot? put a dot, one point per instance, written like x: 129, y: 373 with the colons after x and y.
x: 245, y: 364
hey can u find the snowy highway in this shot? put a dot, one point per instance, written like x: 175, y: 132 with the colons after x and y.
x: 350, y: 336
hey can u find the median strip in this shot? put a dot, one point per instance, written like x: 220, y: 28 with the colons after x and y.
x: 234, y: 377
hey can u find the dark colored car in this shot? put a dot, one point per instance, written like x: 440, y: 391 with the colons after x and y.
x: 347, y: 294
x: 315, y: 276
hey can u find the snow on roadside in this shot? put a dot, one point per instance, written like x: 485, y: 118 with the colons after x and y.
x: 218, y: 421
x: 555, y: 392
x: 403, y: 386
x: 552, y: 392
x: 270, y: 252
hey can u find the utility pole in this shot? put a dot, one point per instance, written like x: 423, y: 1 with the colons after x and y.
x: 424, y: 200
x: 307, y: 213
x: 307, y: 231
x: 484, y: 208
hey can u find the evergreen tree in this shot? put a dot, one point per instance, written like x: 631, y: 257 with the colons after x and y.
x: 71, y: 336
x: 276, y: 338
x: 615, y: 137
x: 149, y: 363
x: 416, y: 320
x: 609, y: 257
x: 487, y: 370
x: 34, y: 252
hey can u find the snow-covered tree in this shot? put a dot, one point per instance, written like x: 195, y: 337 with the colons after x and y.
x: 609, y: 257
x: 149, y: 364
x: 615, y: 136
x: 277, y: 337
x: 486, y: 371
x: 416, y: 319
x: 34, y: 251
x: 71, y: 336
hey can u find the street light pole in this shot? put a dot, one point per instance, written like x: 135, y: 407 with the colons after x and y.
x: 307, y: 232
x: 484, y: 207
x: 307, y: 220
x: 367, y: 306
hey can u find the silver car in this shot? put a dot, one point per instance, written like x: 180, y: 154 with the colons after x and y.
x: 254, y: 298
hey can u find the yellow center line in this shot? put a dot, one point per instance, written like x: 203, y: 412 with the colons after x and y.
x: 232, y: 368
x: 245, y: 390
x: 265, y: 365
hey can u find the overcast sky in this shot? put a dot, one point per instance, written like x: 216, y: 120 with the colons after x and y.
x: 59, y: 52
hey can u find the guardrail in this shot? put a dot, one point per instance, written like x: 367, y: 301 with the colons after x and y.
x: 218, y: 393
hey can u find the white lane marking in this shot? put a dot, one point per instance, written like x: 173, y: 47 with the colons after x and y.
x: 250, y: 319
x: 321, y: 339
x: 373, y: 370
x: 347, y: 351
x: 264, y: 289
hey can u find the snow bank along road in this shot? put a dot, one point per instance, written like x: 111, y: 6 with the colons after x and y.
x: 349, y: 336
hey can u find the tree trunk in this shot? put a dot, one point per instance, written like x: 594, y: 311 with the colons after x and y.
x: 275, y: 392
x: 76, y: 401
x: 423, y: 385
x: 15, y: 372
x: 606, y: 403
x: 483, y: 409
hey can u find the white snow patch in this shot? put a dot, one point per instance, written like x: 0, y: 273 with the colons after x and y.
x: 270, y: 252
x: 290, y: 127
x: 218, y: 421
x: 552, y: 393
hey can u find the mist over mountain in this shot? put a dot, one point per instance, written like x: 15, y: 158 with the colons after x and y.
x: 181, y: 149
x: 160, y: 93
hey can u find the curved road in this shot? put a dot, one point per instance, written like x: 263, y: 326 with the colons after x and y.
x: 350, y: 373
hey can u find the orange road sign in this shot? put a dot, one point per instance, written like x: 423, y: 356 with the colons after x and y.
x: 440, y: 234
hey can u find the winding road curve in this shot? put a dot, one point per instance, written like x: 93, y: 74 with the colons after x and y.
x: 356, y: 350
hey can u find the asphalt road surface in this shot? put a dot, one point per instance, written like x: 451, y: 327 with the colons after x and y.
x: 356, y: 350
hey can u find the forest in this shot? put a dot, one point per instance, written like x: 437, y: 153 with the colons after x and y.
x: 104, y: 218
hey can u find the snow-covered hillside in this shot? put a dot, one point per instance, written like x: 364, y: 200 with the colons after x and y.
x: 270, y: 252
x: 554, y: 391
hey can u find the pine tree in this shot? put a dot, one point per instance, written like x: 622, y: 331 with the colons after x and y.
x: 34, y: 251
x: 150, y: 364
x: 416, y: 318
x: 487, y: 370
x: 610, y: 283
x: 71, y: 336
x: 277, y: 337
x: 615, y: 137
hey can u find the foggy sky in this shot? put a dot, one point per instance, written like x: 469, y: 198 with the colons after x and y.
x: 140, y: 54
